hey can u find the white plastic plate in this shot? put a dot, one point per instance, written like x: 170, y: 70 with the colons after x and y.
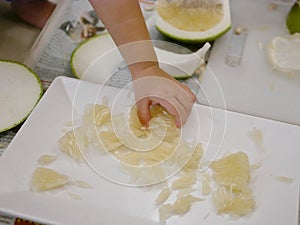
x: 111, y: 203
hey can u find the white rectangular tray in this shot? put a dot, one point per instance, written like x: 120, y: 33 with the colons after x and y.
x: 109, y: 203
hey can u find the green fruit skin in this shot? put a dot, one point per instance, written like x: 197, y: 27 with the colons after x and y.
x: 41, y: 92
x: 75, y: 50
x: 194, y: 41
x: 293, y: 19
x: 76, y: 75
x: 181, y: 77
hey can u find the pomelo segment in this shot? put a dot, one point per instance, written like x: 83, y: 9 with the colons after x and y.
x: 232, y: 174
x: 190, y: 24
x: 284, y: 52
x: 232, y: 171
x: 20, y: 90
x: 237, y: 204
x: 46, y: 179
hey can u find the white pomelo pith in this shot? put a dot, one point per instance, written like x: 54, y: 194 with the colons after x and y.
x: 98, y: 58
x: 20, y: 90
x: 182, y: 26
x: 95, y: 59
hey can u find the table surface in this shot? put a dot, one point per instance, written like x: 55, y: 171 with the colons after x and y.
x: 17, y: 38
x: 253, y: 87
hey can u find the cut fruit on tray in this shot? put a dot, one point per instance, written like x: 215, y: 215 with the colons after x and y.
x: 196, y: 22
x: 284, y: 53
x: 46, y: 179
x: 20, y: 90
x: 98, y: 58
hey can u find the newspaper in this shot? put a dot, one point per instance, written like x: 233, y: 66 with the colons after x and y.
x: 6, y: 137
x: 6, y: 220
x: 50, y: 55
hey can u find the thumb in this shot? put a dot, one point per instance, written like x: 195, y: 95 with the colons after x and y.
x: 143, y: 111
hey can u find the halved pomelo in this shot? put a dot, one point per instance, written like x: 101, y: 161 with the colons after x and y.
x: 20, y: 90
x: 193, y: 24
x: 98, y: 58
x: 95, y: 59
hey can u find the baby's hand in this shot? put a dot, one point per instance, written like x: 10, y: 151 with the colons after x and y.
x: 155, y: 86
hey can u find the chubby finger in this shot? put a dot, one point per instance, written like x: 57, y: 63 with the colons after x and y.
x: 190, y: 94
x: 186, y: 101
x: 143, y: 111
x: 183, y: 101
x: 182, y: 111
x: 175, y: 108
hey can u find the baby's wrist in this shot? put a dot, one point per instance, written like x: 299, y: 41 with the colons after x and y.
x: 142, y: 69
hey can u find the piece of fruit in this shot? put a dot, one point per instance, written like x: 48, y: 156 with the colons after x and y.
x: 74, y: 142
x: 237, y: 204
x: 96, y: 114
x: 46, y: 179
x: 20, y: 90
x: 206, y: 188
x: 98, y: 58
x: 284, y: 52
x: 185, y: 181
x: 232, y: 171
x: 187, y: 23
x: 95, y: 59
x: 165, y: 212
x: 293, y: 18
x: 256, y: 136
x: 180, y: 207
x: 80, y: 184
x: 194, y: 161
x: 232, y: 174
x: 46, y: 159
x: 181, y: 66
x: 183, y: 204
x: 163, y: 196
x: 109, y: 140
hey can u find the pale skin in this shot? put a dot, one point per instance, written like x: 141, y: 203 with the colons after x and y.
x: 34, y: 12
x: 125, y: 23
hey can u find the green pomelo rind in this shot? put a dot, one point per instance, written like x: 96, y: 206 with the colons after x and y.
x: 293, y: 19
x: 38, y: 82
x: 182, y: 77
x: 196, y: 37
x: 79, y: 47
x: 194, y: 41
x: 99, y: 39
